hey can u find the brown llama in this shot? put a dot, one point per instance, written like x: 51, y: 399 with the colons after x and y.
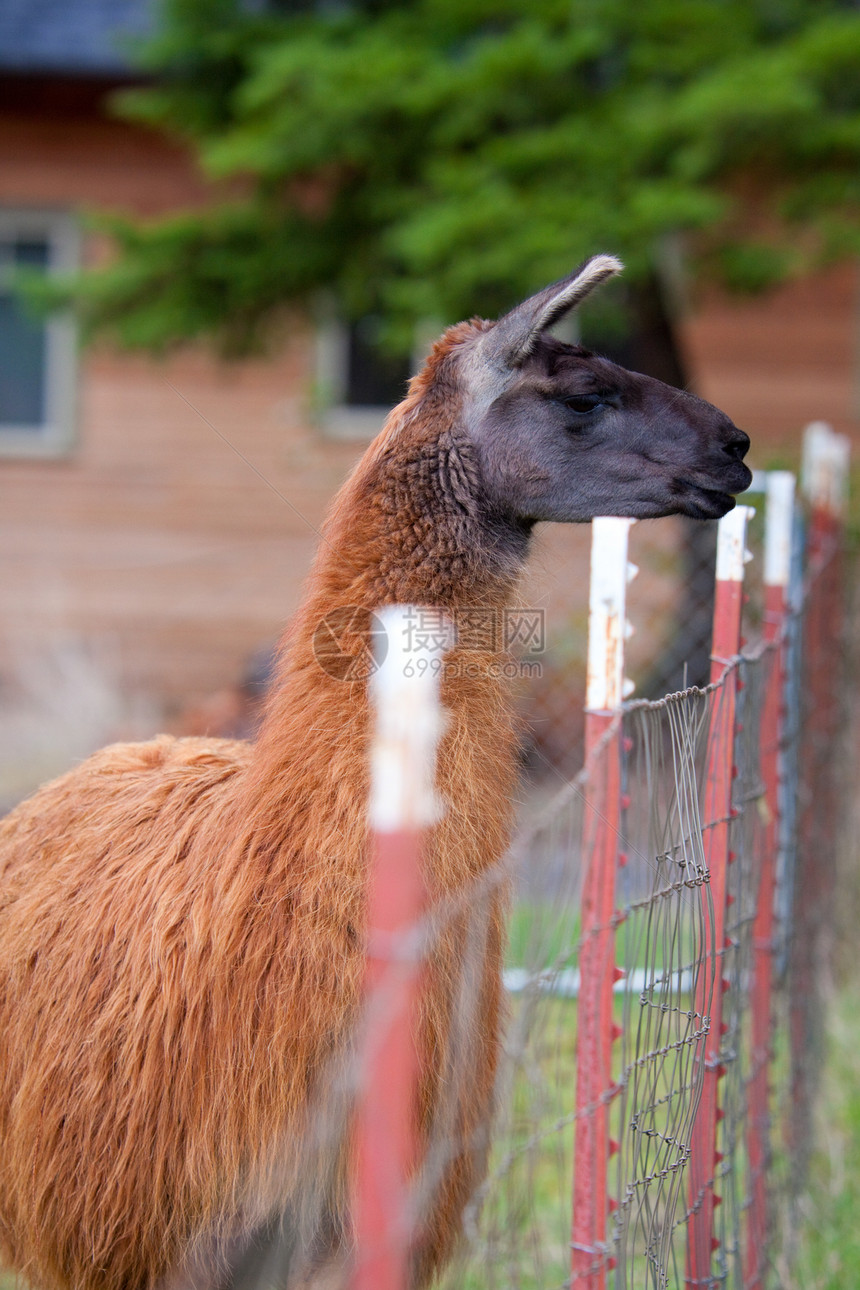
x: 182, y: 921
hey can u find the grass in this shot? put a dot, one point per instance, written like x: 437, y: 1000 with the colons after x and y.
x: 828, y: 1253
x: 525, y: 1225
x: 819, y: 1248
x: 530, y: 1213
x: 537, y: 937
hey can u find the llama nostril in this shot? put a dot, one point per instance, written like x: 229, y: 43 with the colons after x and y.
x: 737, y: 446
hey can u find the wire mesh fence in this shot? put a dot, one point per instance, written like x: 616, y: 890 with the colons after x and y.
x: 667, y: 944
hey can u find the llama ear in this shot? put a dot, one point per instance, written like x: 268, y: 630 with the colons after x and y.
x: 515, y: 335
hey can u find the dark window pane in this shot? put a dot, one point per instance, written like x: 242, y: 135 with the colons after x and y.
x: 608, y: 326
x: 22, y: 366
x: 618, y: 347
x: 33, y: 254
x: 22, y: 342
x: 374, y: 377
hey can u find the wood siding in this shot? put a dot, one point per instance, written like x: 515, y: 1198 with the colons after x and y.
x: 175, y: 537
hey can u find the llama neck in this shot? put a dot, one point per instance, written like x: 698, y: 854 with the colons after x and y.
x: 410, y: 526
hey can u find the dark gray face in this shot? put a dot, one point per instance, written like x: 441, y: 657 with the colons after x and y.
x: 574, y: 435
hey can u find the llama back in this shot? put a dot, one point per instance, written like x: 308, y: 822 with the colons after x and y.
x: 178, y: 987
x: 109, y: 878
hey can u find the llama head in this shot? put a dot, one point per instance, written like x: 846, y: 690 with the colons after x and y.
x: 563, y: 434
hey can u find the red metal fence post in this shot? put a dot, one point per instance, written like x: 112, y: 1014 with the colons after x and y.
x: 779, y: 524
x: 718, y: 812
x: 610, y: 573
x: 825, y: 470
x: 405, y: 693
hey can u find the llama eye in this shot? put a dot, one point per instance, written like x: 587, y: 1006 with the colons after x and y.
x: 584, y: 403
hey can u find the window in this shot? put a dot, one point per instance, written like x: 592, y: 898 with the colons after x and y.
x: 358, y: 381
x: 37, y: 356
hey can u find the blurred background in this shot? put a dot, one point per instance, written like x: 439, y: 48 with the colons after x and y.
x: 228, y: 231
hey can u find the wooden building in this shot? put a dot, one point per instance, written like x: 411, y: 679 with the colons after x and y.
x: 162, y: 515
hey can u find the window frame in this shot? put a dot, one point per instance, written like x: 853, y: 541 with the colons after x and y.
x: 337, y: 419
x: 56, y: 435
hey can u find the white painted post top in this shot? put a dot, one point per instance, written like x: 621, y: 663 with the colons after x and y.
x: 778, y: 527
x: 816, y: 438
x: 607, y: 621
x: 826, y: 457
x: 732, y: 554
x: 404, y: 691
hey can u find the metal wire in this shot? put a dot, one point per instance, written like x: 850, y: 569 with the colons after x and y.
x: 519, y: 1225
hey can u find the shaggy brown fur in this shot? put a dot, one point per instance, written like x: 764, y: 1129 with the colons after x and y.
x: 181, y: 921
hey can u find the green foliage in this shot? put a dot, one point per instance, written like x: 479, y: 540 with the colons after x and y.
x: 420, y: 159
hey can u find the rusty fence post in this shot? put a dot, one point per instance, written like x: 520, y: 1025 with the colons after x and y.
x: 607, y: 628
x: 825, y: 477
x: 778, y: 539
x: 405, y: 696
x: 718, y: 814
